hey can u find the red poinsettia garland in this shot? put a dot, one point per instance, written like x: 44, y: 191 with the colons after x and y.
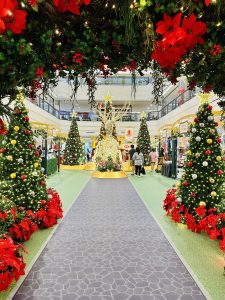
x: 203, y: 220
x: 20, y: 230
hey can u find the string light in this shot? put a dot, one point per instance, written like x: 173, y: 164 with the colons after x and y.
x: 57, y: 31
x: 131, y: 6
x: 114, y: 6
x: 106, y: 5
x: 218, y: 24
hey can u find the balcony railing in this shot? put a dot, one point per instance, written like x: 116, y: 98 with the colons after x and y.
x: 131, y: 117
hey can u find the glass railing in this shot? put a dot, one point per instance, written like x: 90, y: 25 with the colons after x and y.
x: 178, y: 101
x: 131, y: 117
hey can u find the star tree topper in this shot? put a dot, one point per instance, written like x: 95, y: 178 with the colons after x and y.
x: 143, y: 115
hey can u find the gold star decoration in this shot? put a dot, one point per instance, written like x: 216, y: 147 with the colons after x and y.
x: 108, y: 98
x: 74, y: 114
x: 204, y: 98
x: 143, y: 115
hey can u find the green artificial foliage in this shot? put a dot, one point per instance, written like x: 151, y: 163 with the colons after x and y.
x: 74, y: 152
x: 51, y: 166
x: 203, y: 178
x: 143, y: 141
x: 22, y: 166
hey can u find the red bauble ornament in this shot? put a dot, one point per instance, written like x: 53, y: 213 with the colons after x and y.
x: 185, y: 183
x: 36, y: 153
x: 218, y: 140
x: 30, y: 146
x: 209, y: 107
x: 208, y: 152
x: 219, y: 172
x: 26, y: 118
x: 43, y: 183
x: 26, y: 131
x: 23, y: 177
x: 2, y: 150
x: 193, y: 195
x: 190, y: 163
x: 196, y: 120
x: 43, y: 202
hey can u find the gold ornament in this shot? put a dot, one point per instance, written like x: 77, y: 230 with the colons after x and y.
x: 20, y: 96
x: 218, y: 158
x: 188, y: 152
x: 212, y: 180
x: 9, y: 157
x: 212, y: 131
x: 36, y: 165
x: 209, y: 141
x: 197, y: 154
x: 16, y: 128
x: 179, y: 184
x: 13, y: 142
x: 213, y: 194
x: 13, y: 175
x: 202, y: 203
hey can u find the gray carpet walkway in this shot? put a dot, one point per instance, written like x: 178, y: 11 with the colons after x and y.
x: 108, y: 247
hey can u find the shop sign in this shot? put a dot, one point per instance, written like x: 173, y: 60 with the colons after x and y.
x: 184, y: 127
x: 129, y: 134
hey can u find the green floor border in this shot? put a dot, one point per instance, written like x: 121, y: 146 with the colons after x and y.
x: 200, y: 255
x: 59, y: 182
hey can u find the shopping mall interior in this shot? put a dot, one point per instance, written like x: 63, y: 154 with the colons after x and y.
x: 112, y: 150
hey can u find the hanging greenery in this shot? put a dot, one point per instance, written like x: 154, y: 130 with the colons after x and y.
x: 55, y: 39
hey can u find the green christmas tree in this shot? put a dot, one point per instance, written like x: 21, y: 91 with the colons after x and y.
x: 22, y: 165
x: 203, y: 178
x: 108, y: 108
x: 74, y: 152
x: 143, y: 140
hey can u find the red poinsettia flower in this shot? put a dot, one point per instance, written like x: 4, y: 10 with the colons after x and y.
x: 200, y: 211
x: 222, y: 244
x: 216, y: 49
x: 72, y: 6
x: 78, y: 58
x: 13, y: 18
x: 194, y: 31
x: 39, y: 72
x: 214, y: 234
x: 170, y: 29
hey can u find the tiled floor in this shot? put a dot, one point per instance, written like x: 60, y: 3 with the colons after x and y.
x: 109, y: 247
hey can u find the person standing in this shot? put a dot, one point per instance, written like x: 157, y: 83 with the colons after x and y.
x: 153, y: 158
x: 138, y: 159
x: 88, y: 155
x: 131, y: 153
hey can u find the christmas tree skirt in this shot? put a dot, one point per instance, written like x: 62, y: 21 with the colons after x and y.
x: 112, y: 175
x: 77, y: 167
x: 90, y: 166
x: 126, y: 166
